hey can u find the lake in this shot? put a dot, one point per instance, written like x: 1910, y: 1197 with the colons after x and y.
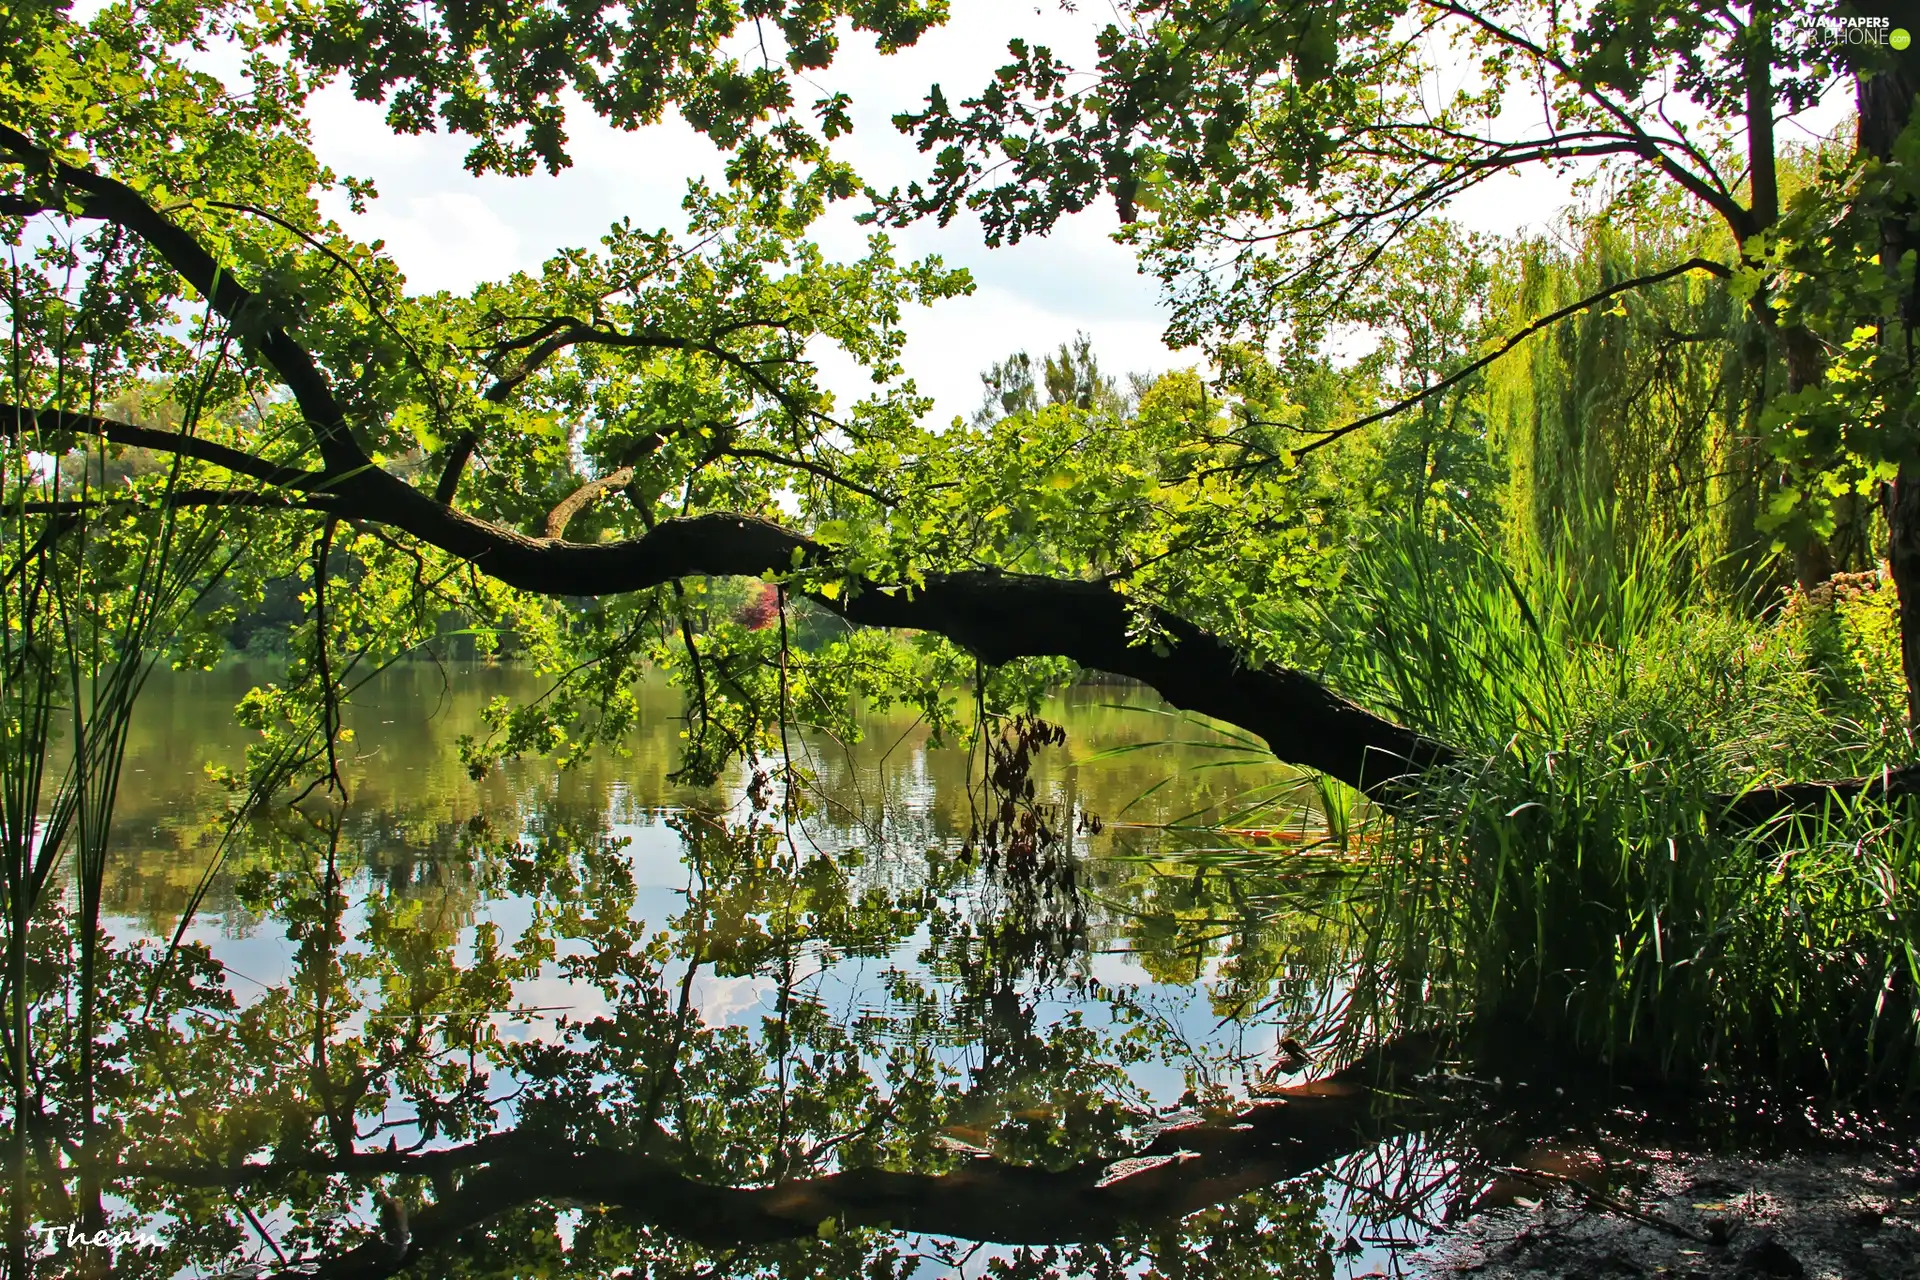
x: 935, y: 1013
x: 1112, y: 994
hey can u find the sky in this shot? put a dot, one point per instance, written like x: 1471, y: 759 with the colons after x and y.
x: 448, y: 229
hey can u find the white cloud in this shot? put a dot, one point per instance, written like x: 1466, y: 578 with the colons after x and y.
x: 731, y: 1001
x: 445, y: 240
x: 449, y: 229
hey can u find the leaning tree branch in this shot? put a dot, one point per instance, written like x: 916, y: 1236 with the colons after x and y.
x: 560, y: 333
x: 1180, y: 1171
x: 999, y: 617
x: 1758, y: 806
x: 459, y: 453
x: 1512, y: 340
x: 20, y: 207
x: 1705, y: 185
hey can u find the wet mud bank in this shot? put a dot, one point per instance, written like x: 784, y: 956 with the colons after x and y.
x: 1841, y: 1214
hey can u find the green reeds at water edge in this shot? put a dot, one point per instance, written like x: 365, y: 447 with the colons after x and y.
x: 1579, y: 878
x: 96, y: 583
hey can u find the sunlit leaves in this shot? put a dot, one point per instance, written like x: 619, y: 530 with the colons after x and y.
x: 504, y: 73
x: 1858, y: 425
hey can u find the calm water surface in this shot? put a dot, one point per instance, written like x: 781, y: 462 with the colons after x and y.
x: 587, y: 1021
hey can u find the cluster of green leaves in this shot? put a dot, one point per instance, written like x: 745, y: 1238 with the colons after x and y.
x: 1279, y: 167
x: 1271, y: 153
x: 681, y: 364
x: 1167, y: 499
x: 505, y: 73
x: 1841, y: 275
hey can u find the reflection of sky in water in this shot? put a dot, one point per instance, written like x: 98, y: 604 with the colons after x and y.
x: 891, y: 798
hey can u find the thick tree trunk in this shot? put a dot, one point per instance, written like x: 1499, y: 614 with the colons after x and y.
x: 1885, y: 89
x: 1812, y: 564
x: 1903, y: 560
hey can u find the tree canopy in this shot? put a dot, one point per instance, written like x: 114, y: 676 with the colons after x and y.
x: 1272, y: 160
x: 1452, y: 570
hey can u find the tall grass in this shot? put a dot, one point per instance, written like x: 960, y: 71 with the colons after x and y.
x: 1577, y: 880
x: 94, y: 588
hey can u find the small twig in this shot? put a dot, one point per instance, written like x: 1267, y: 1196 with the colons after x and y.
x: 1544, y: 1179
x: 813, y: 468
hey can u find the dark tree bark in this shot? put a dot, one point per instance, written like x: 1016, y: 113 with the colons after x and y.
x: 1180, y: 1171
x: 1903, y: 562
x: 1813, y: 561
x: 1885, y: 91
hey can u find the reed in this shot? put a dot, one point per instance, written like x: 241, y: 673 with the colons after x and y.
x: 1578, y: 880
x: 95, y: 587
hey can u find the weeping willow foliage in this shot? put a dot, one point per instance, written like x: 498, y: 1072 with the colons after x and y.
x: 1635, y: 424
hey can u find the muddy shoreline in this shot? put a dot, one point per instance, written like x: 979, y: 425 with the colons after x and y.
x: 1843, y: 1214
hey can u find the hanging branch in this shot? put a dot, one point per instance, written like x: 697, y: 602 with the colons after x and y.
x: 1513, y: 340
x: 329, y: 692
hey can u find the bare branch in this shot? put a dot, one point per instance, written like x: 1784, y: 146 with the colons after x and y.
x: 1707, y: 188
x: 813, y: 468
x: 175, y: 500
x: 570, y: 506
x: 1513, y: 340
x: 18, y: 421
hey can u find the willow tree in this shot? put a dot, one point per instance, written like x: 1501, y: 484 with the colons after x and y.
x: 1637, y: 424
x: 1267, y: 156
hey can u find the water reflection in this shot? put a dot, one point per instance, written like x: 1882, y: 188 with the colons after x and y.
x: 412, y: 798
x: 930, y: 1017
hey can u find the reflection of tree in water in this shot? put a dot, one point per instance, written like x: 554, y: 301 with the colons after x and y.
x: 1029, y: 929
x: 394, y: 1103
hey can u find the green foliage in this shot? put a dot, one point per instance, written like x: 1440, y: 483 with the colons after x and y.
x: 1270, y: 155
x: 1643, y: 413
x: 681, y: 362
x: 1272, y: 161
x: 1579, y: 877
x: 1842, y: 275
x: 503, y: 73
